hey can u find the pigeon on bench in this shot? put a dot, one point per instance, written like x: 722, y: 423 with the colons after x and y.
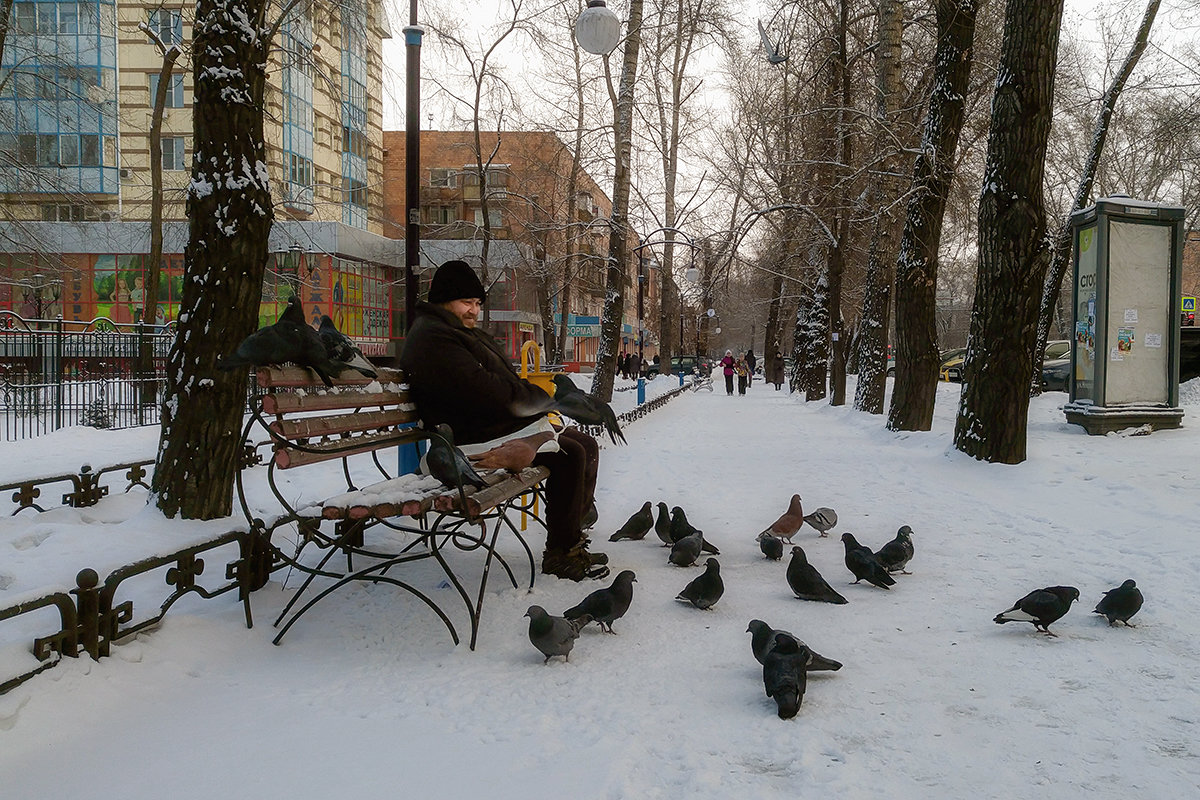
x: 762, y: 640
x: 680, y: 527
x: 606, y: 606
x: 785, y: 673
x: 637, y: 526
x: 342, y: 350
x: 447, y: 463
x: 290, y: 339
x: 553, y: 636
x: 705, y: 589
x: 1120, y: 603
x: 573, y: 402
x: 863, y: 564
x: 789, y: 523
x: 1041, y: 607
x: 823, y: 520
x: 896, y: 554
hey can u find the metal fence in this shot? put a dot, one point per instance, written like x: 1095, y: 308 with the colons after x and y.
x: 56, y: 373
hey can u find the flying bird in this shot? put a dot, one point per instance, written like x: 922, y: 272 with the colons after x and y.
x: 662, y: 525
x: 685, y: 552
x: 785, y: 674
x: 573, y: 402
x: 771, y: 546
x: 706, y: 588
x: 290, y: 339
x: 680, y: 528
x: 774, y: 56
x: 342, y: 350
x: 863, y: 564
x: 447, y: 463
x: 606, y: 606
x: 553, y: 636
x: 1041, y: 607
x: 1120, y: 603
x: 637, y: 526
x: 786, y: 526
x: 806, y: 582
x: 762, y: 640
x: 823, y: 520
x: 896, y: 554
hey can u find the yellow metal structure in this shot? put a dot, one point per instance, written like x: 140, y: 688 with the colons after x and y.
x: 542, y: 380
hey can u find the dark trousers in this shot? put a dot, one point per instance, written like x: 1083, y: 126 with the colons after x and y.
x: 729, y: 383
x: 571, y: 487
x: 741, y: 384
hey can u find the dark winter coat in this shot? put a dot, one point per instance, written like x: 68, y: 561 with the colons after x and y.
x: 462, y: 377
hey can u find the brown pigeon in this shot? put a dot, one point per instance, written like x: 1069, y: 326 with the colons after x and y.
x: 787, y: 525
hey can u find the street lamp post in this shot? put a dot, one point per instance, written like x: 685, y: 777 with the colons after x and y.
x: 412, y: 162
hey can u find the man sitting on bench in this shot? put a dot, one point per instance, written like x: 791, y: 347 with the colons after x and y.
x: 459, y: 375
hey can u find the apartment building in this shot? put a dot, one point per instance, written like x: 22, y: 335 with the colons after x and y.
x: 77, y: 84
x: 536, y: 230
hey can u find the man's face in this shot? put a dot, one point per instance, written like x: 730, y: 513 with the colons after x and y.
x: 466, y: 309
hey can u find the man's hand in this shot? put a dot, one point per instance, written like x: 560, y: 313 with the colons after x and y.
x: 514, y: 455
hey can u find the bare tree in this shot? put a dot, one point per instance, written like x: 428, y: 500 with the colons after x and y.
x: 1013, y: 250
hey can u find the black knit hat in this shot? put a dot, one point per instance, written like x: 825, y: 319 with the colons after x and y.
x: 455, y: 280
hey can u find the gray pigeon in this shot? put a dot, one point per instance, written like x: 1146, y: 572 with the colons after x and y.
x: 447, y: 463
x: 680, y: 527
x: 863, y: 564
x: 1120, y: 603
x: 637, y: 526
x: 662, y: 525
x: 771, y: 546
x: 807, y: 583
x: 1041, y: 607
x: 606, y: 606
x: 553, y: 636
x: 896, y: 554
x: 762, y: 639
x: 823, y: 519
x: 785, y: 674
x: 685, y: 552
x: 572, y: 401
x: 342, y: 350
x: 290, y: 339
x: 705, y: 589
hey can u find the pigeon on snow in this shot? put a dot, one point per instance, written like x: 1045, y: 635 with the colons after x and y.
x: 553, y: 636
x: 606, y: 606
x: 637, y: 526
x: 823, y: 520
x: 785, y: 674
x: 1041, y: 607
x: 680, y: 527
x: 789, y: 523
x: 447, y: 463
x: 863, y: 564
x: 572, y: 401
x: 806, y: 581
x: 771, y: 546
x: 662, y: 525
x: 342, y: 350
x: 1120, y: 603
x: 685, y: 552
x: 290, y: 339
x: 896, y: 554
x: 705, y: 589
x: 762, y: 640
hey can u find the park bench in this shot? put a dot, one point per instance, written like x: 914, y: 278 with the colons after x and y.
x: 364, y: 422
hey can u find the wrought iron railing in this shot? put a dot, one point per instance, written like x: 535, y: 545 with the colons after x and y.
x: 56, y: 373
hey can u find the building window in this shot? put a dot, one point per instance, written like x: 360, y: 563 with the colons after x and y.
x: 68, y: 148
x: 442, y: 215
x: 495, y: 220
x: 355, y: 192
x: 172, y: 153
x: 174, y: 91
x: 24, y: 18
x: 89, y: 150
x: 442, y: 178
x: 168, y: 24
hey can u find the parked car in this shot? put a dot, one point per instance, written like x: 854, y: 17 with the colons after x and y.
x: 683, y: 365
x: 951, y: 367
x: 1056, y: 351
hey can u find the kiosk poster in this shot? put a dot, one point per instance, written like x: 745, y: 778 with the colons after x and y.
x: 1085, y: 313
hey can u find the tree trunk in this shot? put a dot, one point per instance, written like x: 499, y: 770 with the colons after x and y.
x: 917, y: 359
x: 841, y: 225
x: 614, y: 299
x: 1013, y: 251
x: 1060, y: 254
x: 883, y: 194
x: 230, y: 213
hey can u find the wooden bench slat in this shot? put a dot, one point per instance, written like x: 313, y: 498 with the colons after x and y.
x: 316, y: 427
x: 292, y: 377
x: 293, y: 403
x: 481, y: 500
x: 288, y: 457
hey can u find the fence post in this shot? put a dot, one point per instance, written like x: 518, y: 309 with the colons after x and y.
x: 58, y: 372
x: 140, y: 369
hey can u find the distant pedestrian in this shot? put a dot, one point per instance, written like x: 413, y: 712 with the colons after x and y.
x: 743, y: 374
x: 777, y: 371
x: 623, y: 364
x: 727, y: 364
x: 635, y: 366
x: 751, y: 362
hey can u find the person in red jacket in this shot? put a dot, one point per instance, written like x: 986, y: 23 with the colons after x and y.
x: 727, y: 364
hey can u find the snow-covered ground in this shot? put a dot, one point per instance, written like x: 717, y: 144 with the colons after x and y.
x: 367, y: 694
